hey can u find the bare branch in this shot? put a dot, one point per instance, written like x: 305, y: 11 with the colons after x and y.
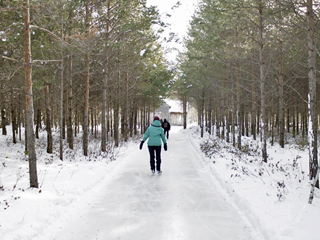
x: 45, y: 61
x: 12, y: 59
x: 9, y: 78
x: 54, y: 35
x: 9, y: 9
x: 51, y: 33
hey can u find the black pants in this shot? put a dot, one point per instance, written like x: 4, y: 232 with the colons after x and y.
x: 157, y: 150
x: 166, y: 131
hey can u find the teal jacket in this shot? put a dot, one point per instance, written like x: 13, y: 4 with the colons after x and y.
x: 155, y: 134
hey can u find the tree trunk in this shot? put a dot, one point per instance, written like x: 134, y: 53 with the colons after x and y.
x: 222, y: 120
x: 26, y: 134
x: 254, y: 107
x: 95, y: 123
x: 135, y: 120
x: 76, y: 122
x: 29, y: 97
x: 262, y: 88
x: 65, y: 105
x: 126, y: 108
x: 238, y: 93
x: 293, y: 122
x: 142, y: 119
x: 116, y: 125
x: 103, y: 112
x: 281, y: 84
x: 86, y: 107
x: 38, y: 122
x: 217, y: 120
x: 202, y: 113
x: 145, y: 119
x: 13, y: 118
x: 228, y: 126
x: 14, y: 125
x: 86, y: 88
x: 184, y: 106
x: 110, y: 120
x: 104, y: 130
x: 247, y: 123
x: 209, y: 120
x: 243, y: 120
x: 19, y: 117
x: 3, y: 121
x: 131, y: 117
x: 69, y: 113
x: 272, y: 128
x: 48, y: 119
x: 305, y: 123
x: 288, y: 118
x: 92, y: 120
x: 61, y: 99
x: 297, y: 117
x: 313, y: 122
x: 233, y: 116
x: 117, y: 105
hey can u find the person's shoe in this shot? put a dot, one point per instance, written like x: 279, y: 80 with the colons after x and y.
x: 159, y: 172
x: 153, y: 171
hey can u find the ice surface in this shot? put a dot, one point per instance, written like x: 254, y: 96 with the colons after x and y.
x: 179, y: 204
x: 229, y: 195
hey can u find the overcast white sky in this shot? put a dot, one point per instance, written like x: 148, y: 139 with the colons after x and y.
x: 179, y: 20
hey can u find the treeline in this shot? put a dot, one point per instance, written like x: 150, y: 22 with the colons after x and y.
x: 81, y: 63
x: 250, y: 67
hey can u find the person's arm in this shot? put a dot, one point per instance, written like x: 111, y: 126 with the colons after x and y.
x: 163, y: 137
x: 146, y: 135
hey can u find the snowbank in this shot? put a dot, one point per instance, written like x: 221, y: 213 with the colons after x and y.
x: 274, y: 195
x: 64, y: 186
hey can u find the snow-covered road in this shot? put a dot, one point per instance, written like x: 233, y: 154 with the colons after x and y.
x: 182, y: 203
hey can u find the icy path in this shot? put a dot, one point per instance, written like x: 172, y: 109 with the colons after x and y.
x: 179, y: 204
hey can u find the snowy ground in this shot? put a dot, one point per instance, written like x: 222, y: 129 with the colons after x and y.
x: 226, y: 195
x: 273, y: 195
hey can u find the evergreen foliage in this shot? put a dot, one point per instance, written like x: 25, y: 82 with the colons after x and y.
x: 246, y: 68
x: 81, y: 51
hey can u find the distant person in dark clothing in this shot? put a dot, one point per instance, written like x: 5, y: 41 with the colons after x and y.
x: 166, y: 127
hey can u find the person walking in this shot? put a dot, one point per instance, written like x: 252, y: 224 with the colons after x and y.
x: 155, y: 134
x: 166, y: 127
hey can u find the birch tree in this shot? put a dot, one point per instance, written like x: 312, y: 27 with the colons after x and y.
x: 312, y: 113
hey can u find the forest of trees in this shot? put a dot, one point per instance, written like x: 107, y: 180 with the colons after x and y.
x: 250, y: 68
x: 97, y: 66
x: 67, y: 65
